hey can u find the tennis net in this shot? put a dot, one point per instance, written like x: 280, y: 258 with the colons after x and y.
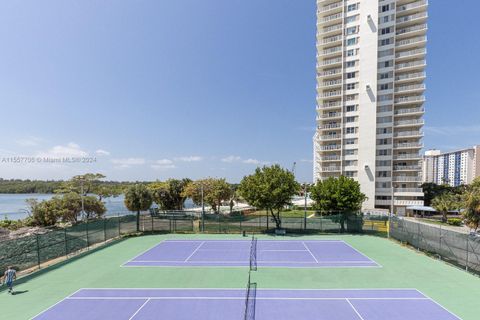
x: 250, y: 300
x: 253, y: 254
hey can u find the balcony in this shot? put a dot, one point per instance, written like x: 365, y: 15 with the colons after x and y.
x: 330, y: 51
x: 329, y: 8
x: 410, y: 88
x: 331, y: 83
x: 407, y: 168
x: 410, y: 156
x: 410, y: 76
x: 330, y: 126
x: 330, y: 169
x: 330, y: 62
x: 417, y: 64
x: 329, y: 73
x: 338, y: 28
x: 411, y: 7
x: 410, y: 99
x: 412, y: 42
x: 410, y: 111
x: 329, y: 41
x: 416, y: 53
x: 410, y: 123
x: 407, y: 179
x: 412, y: 145
x: 330, y: 147
x: 408, y: 190
x: 331, y: 19
x: 331, y: 104
x: 403, y: 134
x: 330, y: 94
x: 414, y: 18
x: 330, y: 158
x: 416, y: 30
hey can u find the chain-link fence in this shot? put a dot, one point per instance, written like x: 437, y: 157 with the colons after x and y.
x: 52, y: 245
x: 459, y: 248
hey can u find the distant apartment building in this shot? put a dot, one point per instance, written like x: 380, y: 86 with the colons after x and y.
x: 454, y: 168
x: 370, y: 95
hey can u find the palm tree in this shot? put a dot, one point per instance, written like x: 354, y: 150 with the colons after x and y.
x: 445, y: 203
x: 471, y: 214
x: 138, y: 198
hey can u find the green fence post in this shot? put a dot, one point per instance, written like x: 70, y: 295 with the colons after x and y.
x: 266, y: 218
x: 65, y: 240
x: 104, y: 230
x: 38, y: 251
x: 86, y: 232
x: 152, y: 222
x: 467, y: 257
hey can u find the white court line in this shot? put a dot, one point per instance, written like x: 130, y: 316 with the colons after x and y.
x: 143, y: 252
x: 261, y: 261
x: 249, y: 241
x: 235, y: 298
x: 438, y: 304
x: 194, y: 251
x: 351, y: 305
x: 67, y: 297
x: 141, y: 307
x: 347, y: 244
x: 303, y: 242
x: 243, y: 289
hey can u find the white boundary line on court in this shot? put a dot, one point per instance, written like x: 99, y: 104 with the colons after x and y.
x: 453, y: 314
x: 237, y: 298
x: 136, y: 312
x: 194, y: 251
x: 308, y: 249
x: 355, y: 310
x: 246, y: 262
x: 124, y: 265
x: 55, y: 304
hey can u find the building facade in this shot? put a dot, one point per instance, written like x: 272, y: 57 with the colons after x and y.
x: 454, y: 168
x: 370, y: 85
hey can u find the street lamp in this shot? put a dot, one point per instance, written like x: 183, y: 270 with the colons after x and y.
x: 305, y: 207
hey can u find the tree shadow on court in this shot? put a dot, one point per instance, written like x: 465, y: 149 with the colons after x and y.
x: 15, y: 293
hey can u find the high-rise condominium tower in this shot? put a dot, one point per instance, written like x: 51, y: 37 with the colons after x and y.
x: 370, y: 85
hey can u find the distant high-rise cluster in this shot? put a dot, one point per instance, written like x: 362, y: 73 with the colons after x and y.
x: 370, y: 95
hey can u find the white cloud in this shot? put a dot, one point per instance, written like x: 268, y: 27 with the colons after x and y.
x: 128, y: 162
x: 189, y: 159
x: 231, y: 159
x: 163, y: 164
x: 102, y: 152
x: 69, y: 150
x: 251, y: 161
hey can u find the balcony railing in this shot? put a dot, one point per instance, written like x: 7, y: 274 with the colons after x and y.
x: 410, y: 88
x: 330, y: 40
x: 409, y: 190
x: 330, y: 51
x: 409, y: 122
x: 410, y: 53
x: 410, y: 110
x: 419, y: 27
x: 329, y: 94
x: 330, y: 169
x: 329, y: 148
x: 330, y: 83
x: 329, y: 72
x: 330, y: 7
x: 329, y: 29
x: 408, y: 145
x: 330, y: 62
x: 330, y: 18
x: 407, y: 76
x: 407, y: 156
x: 330, y: 158
x: 331, y: 105
x: 415, y: 40
x: 332, y: 115
x: 407, y: 168
x: 421, y: 15
x: 418, y: 63
x: 412, y: 5
x: 407, y: 179
x: 408, y: 134
x: 410, y: 99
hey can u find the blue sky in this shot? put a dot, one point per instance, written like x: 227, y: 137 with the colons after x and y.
x: 187, y: 88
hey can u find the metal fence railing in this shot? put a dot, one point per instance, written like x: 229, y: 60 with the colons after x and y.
x: 459, y: 248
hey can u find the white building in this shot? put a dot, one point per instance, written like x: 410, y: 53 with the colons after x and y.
x: 454, y: 168
x: 370, y: 85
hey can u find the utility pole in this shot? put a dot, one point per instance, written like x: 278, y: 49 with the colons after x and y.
x: 203, y: 209
x: 305, y: 207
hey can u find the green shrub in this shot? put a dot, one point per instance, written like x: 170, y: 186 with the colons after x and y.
x: 455, y: 221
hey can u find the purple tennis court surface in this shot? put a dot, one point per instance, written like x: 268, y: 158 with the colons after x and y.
x: 235, y: 253
x: 229, y: 304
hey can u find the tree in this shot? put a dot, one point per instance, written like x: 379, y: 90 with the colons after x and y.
x: 444, y: 203
x: 269, y: 188
x: 90, y: 183
x: 169, y: 195
x: 215, y: 191
x: 338, y: 195
x: 471, y: 204
x: 138, y: 198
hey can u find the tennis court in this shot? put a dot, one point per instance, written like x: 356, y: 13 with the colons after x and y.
x: 229, y: 304
x: 268, y: 253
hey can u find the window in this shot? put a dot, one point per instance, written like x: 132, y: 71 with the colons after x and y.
x: 352, y: 52
x: 350, y: 119
x: 386, y: 30
x: 385, y: 75
x: 349, y: 152
x: 352, y: 41
x: 382, y: 141
x: 385, y: 8
x: 386, y: 42
x: 349, y: 141
x: 351, y: 75
x: 351, y: 19
x: 350, y: 64
x: 382, y: 174
x: 352, y: 7
x: 350, y: 130
x: 386, y: 64
x: 383, y: 152
x: 351, y: 30
x: 350, y: 86
x: 351, y: 108
x: 350, y: 173
x: 384, y: 86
